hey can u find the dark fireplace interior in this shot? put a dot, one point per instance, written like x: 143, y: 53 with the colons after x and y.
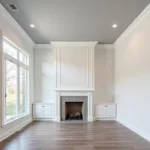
x: 73, y: 110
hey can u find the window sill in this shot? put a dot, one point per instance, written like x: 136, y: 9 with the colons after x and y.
x: 14, y: 119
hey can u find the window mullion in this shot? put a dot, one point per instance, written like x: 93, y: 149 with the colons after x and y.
x: 18, y: 90
x: 5, y: 93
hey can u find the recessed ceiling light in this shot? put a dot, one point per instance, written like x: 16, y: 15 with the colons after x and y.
x: 114, y: 25
x: 32, y: 25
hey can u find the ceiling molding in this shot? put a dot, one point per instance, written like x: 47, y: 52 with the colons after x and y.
x: 50, y: 46
x: 105, y: 46
x: 43, y: 46
x: 6, y: 14
x: 74, y: 44
x: 138, y: 19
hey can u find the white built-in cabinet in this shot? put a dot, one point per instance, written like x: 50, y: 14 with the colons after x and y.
x: 43, y: 111
x: 105, y: 111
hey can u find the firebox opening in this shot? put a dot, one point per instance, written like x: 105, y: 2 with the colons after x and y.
x: 74, y: 110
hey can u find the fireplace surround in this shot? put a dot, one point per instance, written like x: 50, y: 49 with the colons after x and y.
x: 74, y: 108
x: 74, y: 76
x: 84, y: 97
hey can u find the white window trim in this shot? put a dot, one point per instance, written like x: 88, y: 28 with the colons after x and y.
x: 6, y: 57
x: 15, y: 118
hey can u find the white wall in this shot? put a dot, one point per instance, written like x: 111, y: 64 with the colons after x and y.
x: 44, y: 74
x: 132, y: 75
x: 44, y: 69
x: 10, y: 29
x: 104, y: 70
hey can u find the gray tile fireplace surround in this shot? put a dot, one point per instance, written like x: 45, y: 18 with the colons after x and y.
x: 65, y: 99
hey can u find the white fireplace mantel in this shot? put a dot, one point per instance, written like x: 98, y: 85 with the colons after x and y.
x: 74, y: 72
x: 75, y: 93
x: 74, y: 90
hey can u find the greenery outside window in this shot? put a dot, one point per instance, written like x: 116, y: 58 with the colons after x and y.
x: 16, y: 76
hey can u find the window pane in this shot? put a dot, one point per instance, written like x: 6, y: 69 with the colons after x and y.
x: 23, y: 89
x: 11, y: 90
x: 10, y: 50
x: 23, y: 58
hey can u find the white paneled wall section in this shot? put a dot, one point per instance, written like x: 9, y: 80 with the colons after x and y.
x: 74, y: 65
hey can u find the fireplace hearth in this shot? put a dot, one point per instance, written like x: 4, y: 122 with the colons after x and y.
x: 74, y: 110
x: 74, y: 116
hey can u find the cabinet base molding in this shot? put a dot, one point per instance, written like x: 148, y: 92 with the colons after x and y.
x: 97, y: 119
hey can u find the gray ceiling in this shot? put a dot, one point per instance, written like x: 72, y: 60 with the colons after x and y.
x: 75, y: 20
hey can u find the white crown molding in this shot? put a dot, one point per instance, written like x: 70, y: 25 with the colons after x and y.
x: 43, y: 46
x: 74, y: 44
x: 50, y: 46
x: 105, y: 46
x: 138, y: 19
x: 5, y: 14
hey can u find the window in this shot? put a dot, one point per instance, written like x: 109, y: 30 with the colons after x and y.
x: 16, y: 73
x: 10, y: 50
x: 11, y: 89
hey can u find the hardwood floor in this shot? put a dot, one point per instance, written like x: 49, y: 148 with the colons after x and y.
x: 104, y: 135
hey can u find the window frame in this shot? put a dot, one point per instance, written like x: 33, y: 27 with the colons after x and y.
x: 6, y: 57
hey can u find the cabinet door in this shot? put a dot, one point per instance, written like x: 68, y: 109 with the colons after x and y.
x: 100, y: 111
x: 49, y: 113
x: 110, y: 111
x: 38, y: 111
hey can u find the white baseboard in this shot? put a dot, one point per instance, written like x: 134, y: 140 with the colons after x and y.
x: 10, y: 132
x: 109, y: 119
x: 40, y: 119
x: 57, y: 119
x: 90, y: 119
x: 134, y: 129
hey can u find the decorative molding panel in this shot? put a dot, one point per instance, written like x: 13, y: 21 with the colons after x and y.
x: 74, y: 65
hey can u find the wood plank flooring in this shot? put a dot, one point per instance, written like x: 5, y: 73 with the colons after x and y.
x: 102, y: 135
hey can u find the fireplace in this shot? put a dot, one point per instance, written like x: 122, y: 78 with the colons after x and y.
x: 74, y: 110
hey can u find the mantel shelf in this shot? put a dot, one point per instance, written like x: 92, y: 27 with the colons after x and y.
x: 74, y: 90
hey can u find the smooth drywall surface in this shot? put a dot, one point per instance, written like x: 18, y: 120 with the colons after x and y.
x: 10, y: 29
x: 132, y: 76
x: 44, y: 71
x: 104, y: 71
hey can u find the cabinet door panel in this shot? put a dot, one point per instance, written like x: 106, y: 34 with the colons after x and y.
x: 38, y: 111
x: 49, y: 111
x: 100, y: 111
x: 110, y: 111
